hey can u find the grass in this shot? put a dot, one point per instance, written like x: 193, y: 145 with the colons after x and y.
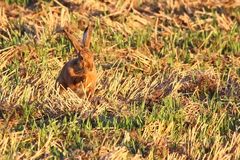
x: 168, y: 81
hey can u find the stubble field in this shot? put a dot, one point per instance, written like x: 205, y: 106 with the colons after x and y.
x: 168, y: 82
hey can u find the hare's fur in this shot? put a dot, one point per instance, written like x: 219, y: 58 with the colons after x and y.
x: 79, y: 74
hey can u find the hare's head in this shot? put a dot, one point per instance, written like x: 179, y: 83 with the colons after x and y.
x: 85, y: 60
x: 85, y: 54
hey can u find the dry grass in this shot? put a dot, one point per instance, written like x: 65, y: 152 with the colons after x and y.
x: 168, y: 80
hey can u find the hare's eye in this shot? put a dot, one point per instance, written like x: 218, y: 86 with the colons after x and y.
x: 80, y: 57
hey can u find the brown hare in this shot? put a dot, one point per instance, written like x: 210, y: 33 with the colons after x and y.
x: 79, y: 74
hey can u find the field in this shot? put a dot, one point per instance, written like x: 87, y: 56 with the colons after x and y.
x: 168, y: 82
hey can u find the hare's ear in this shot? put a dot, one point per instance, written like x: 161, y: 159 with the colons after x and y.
x: 87, y: 37
x: 69, y: 33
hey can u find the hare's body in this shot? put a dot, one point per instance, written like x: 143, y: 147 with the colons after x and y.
x: 79, y: 74
x: 78, y: 81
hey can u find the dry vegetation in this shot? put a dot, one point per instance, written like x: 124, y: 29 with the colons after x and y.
x: 168, y: 80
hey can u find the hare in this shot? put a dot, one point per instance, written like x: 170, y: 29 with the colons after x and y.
x: 79, y: 74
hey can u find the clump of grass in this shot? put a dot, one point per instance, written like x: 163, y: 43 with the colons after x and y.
x: 19, y: 2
